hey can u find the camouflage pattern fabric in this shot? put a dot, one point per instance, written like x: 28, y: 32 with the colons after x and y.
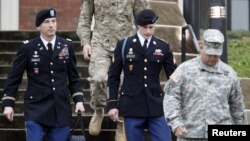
x: 197, y: 96
x: 98, y: 68
x: 112, y: 21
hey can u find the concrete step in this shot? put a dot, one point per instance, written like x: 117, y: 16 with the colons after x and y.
x: 14, y: 45
x: 248, y: 115
x: 245, y: 86
x: 81, y: 69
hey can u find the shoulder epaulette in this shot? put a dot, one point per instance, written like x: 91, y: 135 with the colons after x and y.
x: 26, y: 41
x: 68, y: 39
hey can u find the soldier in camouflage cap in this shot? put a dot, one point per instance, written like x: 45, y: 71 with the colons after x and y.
x: 213, y: 42
x: 112, y: 21
x: 203, y: 91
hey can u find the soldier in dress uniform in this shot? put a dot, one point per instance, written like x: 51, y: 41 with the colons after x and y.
x: 203, y: 91
x: 50, y: 64
x: 112, y: 21
x: 141, y: 58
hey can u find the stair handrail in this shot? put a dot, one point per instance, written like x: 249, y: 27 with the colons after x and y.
x: 183, y: 40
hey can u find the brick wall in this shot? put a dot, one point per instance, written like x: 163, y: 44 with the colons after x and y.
x: 67, y: 13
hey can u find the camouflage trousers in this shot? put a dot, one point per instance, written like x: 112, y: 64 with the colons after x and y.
x: 99, y: 64
x: 98, y: 69
x: 191, y: 139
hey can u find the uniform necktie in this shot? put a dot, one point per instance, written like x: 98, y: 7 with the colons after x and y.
x: 145, y: 44
x: 49, y: 45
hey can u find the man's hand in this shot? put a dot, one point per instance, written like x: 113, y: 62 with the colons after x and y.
x: 113, y: 114
x: 86, y: 51
x: 180, y: 131
x: 79, y: 107
x: 9, y: 113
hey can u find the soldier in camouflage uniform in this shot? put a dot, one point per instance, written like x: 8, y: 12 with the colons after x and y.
x: 203, y: 91
x: 112, y: 21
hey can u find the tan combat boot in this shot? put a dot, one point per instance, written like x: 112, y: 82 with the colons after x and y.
x: 96, y: 122
x: 120, y: 134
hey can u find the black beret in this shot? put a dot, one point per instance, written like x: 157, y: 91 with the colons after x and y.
x: 44, y: 14
x: 145, y: 17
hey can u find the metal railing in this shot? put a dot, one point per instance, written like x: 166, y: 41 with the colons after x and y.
x: 184, y: 42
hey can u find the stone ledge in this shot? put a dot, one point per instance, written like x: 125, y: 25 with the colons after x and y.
x: 245, y: 86
x: 247, y: 111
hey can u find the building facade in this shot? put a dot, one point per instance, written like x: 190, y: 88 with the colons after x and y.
x: 20, y: 14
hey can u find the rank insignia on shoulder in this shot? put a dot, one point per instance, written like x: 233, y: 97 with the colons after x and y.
x: 26, y: 41
x: 68, y: 39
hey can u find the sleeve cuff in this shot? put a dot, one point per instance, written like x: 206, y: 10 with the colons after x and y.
x: 78, y: 97
x: 7, y: 103
x: 111, y: 104
x: 176, y: 123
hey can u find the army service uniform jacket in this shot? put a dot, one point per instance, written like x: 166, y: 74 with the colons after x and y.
x: 141, y: 94
x: 51, y: 80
